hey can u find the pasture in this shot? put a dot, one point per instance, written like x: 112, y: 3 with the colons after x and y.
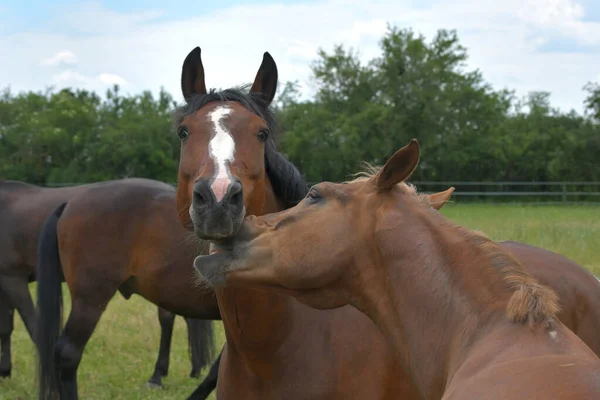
x: 120, y: 355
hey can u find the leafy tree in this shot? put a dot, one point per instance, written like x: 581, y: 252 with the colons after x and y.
x: 362, y: 111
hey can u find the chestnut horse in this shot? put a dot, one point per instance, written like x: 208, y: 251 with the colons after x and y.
x: 121, y: 235
x: 277, y: 348
x: 464, y: 317
x: 23, y: 209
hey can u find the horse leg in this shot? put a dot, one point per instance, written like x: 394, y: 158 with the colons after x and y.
x: 209, y: 383
x: 69, y: 347
x: 16, y: 290
x: 6, y: 329
x: 161, y: 369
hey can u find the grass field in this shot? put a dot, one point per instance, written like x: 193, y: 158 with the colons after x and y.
x: 121, y: 354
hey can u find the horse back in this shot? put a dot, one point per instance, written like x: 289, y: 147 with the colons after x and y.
x: 120, y: 230
x: 533, y: 363
x: 23, y: 210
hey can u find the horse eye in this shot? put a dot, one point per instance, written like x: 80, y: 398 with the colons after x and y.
x: 263, y: 135
x: 313, y: 196
x: 182, y: 132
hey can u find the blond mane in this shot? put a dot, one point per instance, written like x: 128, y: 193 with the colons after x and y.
x: 531, y: 302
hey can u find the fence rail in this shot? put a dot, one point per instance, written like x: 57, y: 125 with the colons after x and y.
x: 530, y: 192
x: 564, y: 192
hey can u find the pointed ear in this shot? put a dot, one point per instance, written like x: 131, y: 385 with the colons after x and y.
x: 192, y: 75
x: 399, y: 166
x: 266, y: 79
x: 437, y: 200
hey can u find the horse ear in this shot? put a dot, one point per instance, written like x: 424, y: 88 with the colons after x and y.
x: 192, y: 75
x: 266, y: 79
x: 399, y: 166
x: 437, y: 200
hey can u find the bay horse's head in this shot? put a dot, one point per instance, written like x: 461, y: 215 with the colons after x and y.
x: 326, y: 249
x: 226, y: 147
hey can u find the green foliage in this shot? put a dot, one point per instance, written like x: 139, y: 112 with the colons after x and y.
x: 74, y: 136
x: 468, y: 130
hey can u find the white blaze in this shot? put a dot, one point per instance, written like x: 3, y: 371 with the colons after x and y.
x: 221, y: 149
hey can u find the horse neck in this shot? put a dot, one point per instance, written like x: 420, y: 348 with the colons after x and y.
x: 257, y: 323
x: 431, y: 312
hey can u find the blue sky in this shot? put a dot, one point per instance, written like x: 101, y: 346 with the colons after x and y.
x: 551, y: 45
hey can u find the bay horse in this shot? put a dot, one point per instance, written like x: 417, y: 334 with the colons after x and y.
x: 121, y: 235
x: 23, y: 210
x: 277, y: 348
x: 463, y: 315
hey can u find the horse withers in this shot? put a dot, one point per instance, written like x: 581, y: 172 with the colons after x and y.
x: 463, y: 315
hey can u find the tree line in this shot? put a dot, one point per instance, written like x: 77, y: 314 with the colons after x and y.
x: 468, y: 130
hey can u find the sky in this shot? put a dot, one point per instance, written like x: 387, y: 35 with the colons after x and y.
x: 524, y: 45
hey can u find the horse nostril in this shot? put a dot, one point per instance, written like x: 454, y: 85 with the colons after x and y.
x: 236, y: 197
x: 198, y: 198
x: 235, y: 193
x: 201, y: 193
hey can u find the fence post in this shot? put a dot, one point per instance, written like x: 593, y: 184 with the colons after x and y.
x: 564, y: 192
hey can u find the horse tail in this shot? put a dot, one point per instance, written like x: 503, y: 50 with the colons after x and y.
x: 209, y: 383
x: 201, y: 343
x: 49, y: 304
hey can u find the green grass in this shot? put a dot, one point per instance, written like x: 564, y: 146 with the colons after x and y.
x: 121, y: 354
x: 573, y: 231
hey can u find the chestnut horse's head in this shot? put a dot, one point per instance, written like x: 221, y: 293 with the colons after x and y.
x: 229, y: 165
x: 326, y: 249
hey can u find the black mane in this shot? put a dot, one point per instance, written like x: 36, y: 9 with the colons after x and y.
x: 285, y: 178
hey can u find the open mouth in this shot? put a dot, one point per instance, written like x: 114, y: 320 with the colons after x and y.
x: 221, y: 245
x: 214, y: 249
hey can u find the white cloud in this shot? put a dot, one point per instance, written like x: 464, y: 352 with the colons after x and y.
x: 112, y: 79
x: 502, y: 38
x: 62, y: 57
x: 70, y: 78
x: 564, y: 17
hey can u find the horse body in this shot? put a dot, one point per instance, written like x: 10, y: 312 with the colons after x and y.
x: 133, y: 223
x: 270, y: 357
x: 124, y: 236
x: 496, y: 365
x: 23, y: 210
x: 276, y: 347
x: 464, y: 317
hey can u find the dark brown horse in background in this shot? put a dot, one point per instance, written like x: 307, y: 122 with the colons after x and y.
x: 465, y: 318
x: 124, y: 236
x: 23, y: 209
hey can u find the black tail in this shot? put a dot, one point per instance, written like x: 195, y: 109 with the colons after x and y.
x: 209, y: 383
x: 201, y: 343
x: 49, y: 304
